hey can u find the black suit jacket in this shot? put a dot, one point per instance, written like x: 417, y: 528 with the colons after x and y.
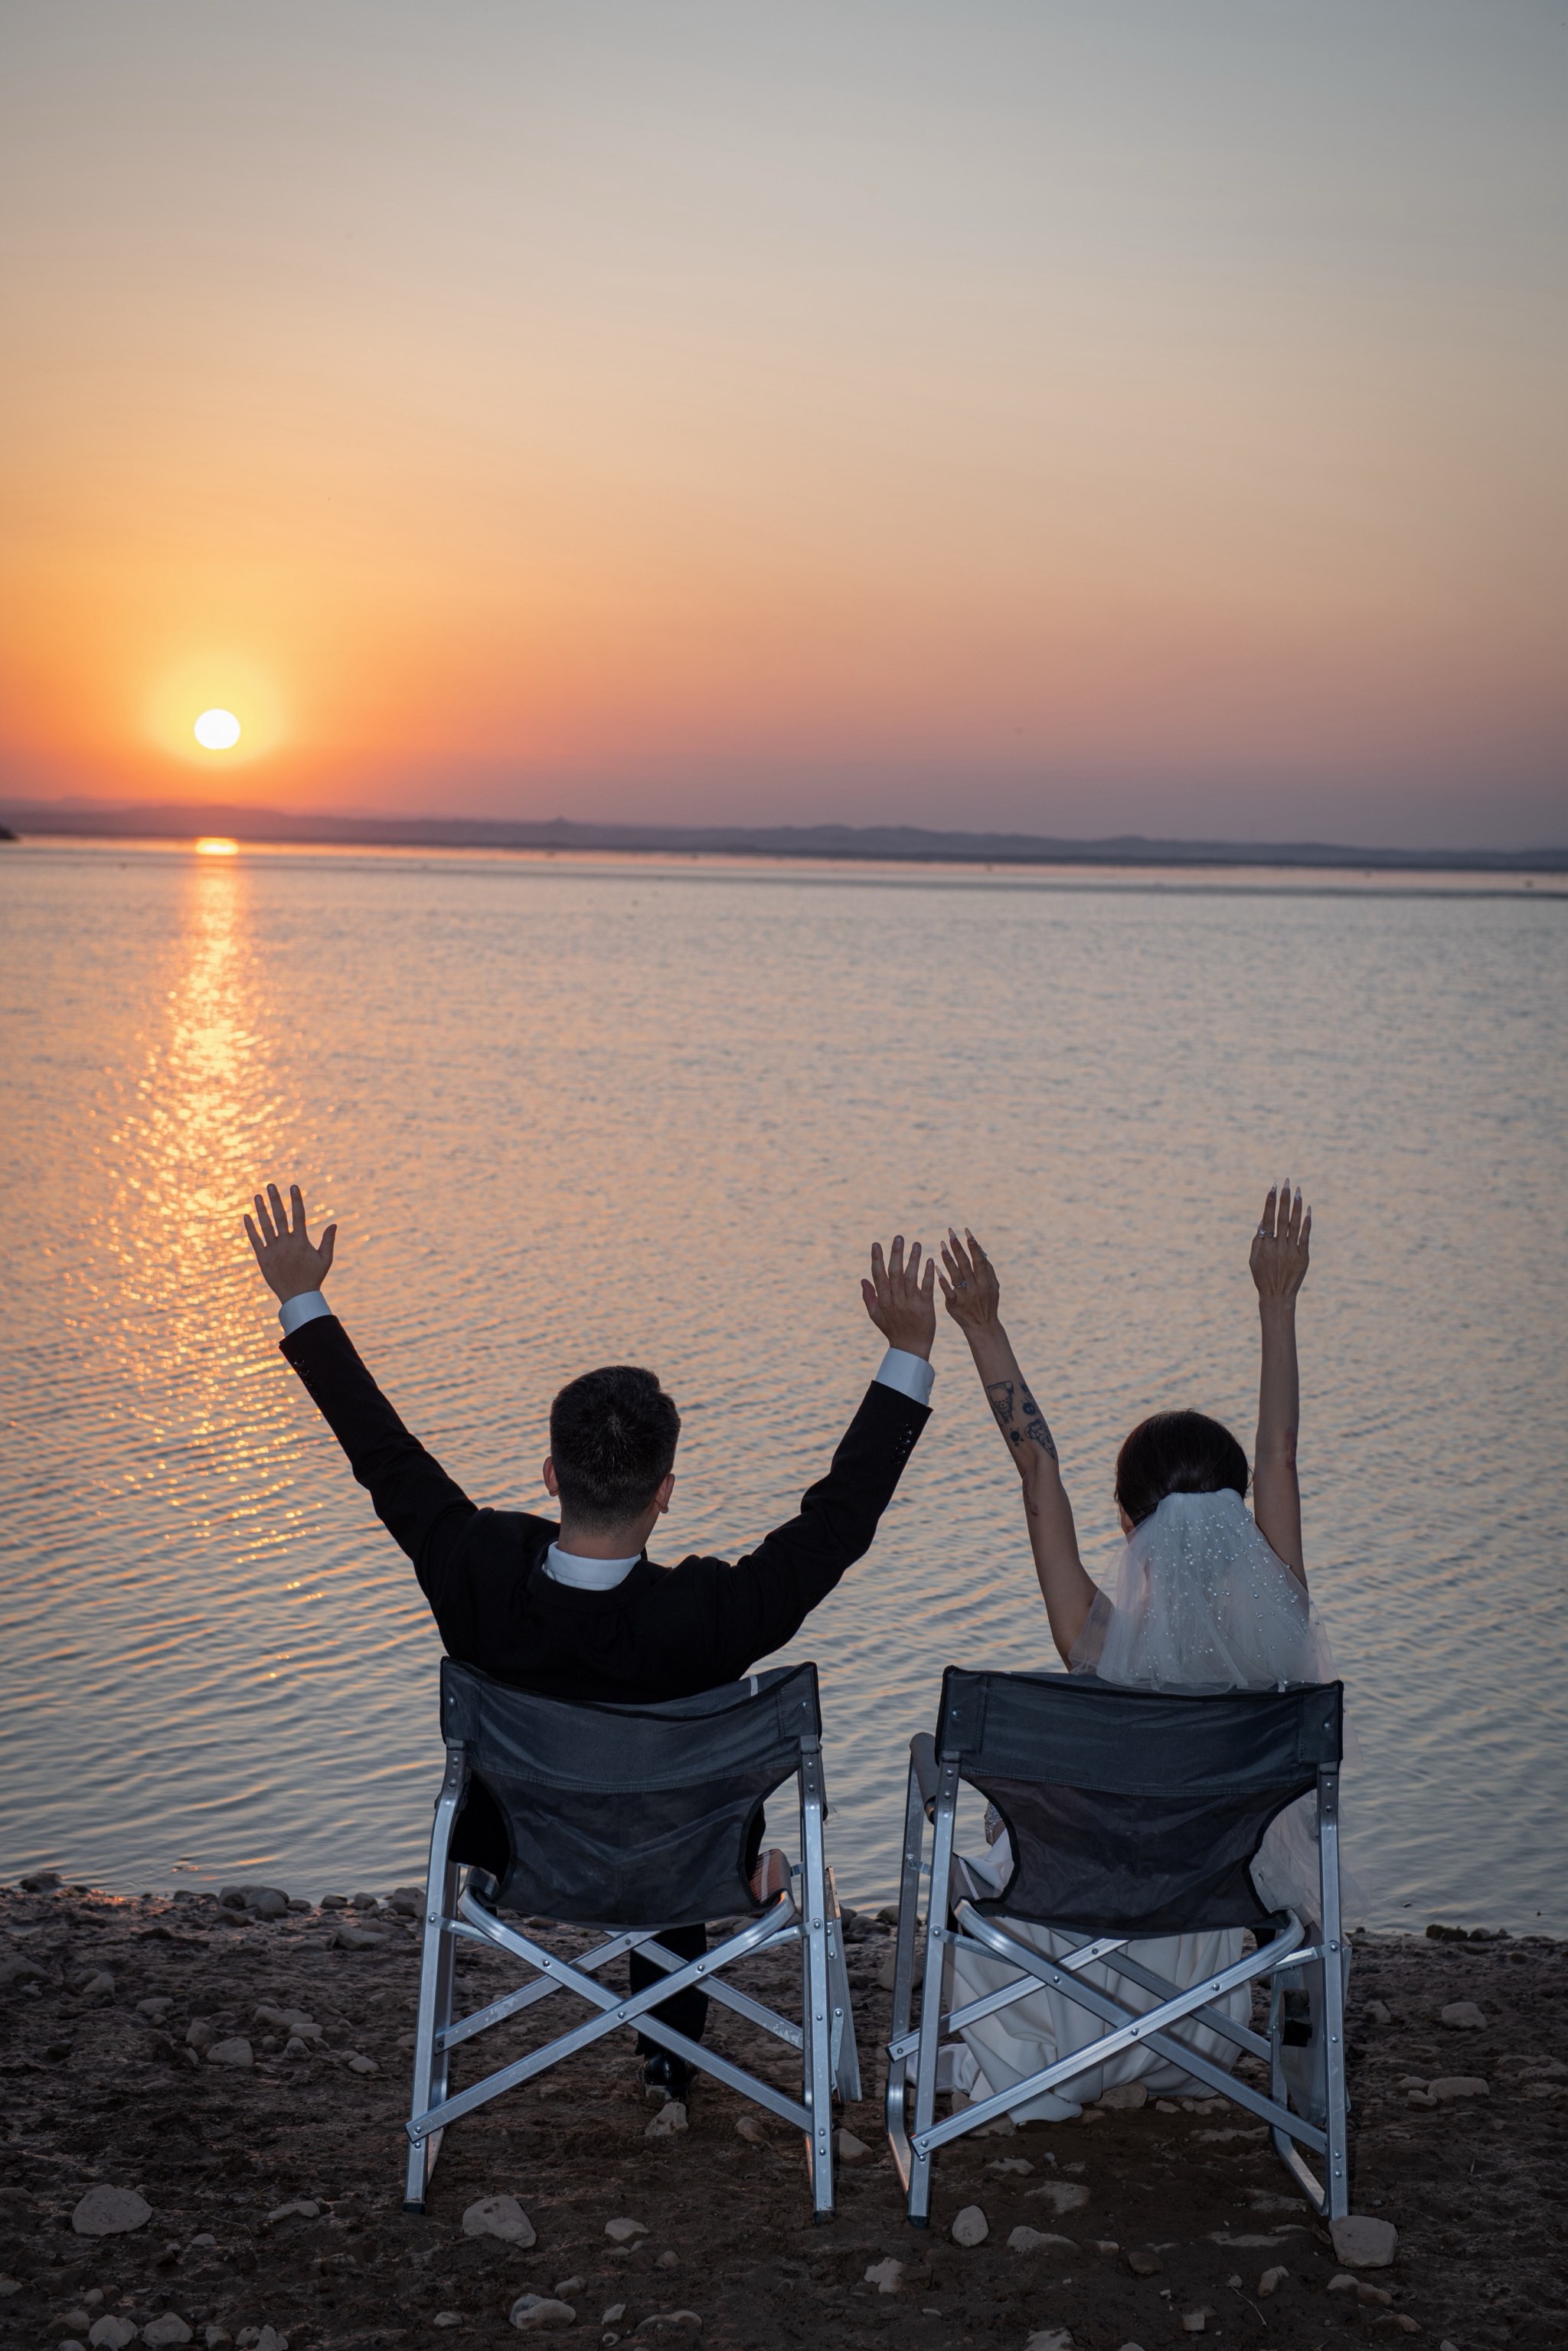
x: 664, y: 1632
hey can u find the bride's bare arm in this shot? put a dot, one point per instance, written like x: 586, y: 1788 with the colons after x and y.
x: 1279, y: 1252
x: 973, y: 1296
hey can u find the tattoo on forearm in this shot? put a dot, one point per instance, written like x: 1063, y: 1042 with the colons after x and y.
x: 1035, y: 1426
x: 1042, y: 1436
x: 1008, y: 1401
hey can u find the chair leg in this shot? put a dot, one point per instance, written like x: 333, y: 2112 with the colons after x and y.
x: 900, y: 2071
x: 431, y: 2064
x: 931, y: 1992
x: 818, y: 2067
x: 845, y: 2054
x: 1336, y: 2180
x: 446, y: 1988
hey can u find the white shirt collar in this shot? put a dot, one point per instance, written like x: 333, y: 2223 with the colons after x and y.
x: 586, y: 1574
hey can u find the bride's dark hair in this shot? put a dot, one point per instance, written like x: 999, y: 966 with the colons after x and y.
x: 1177, y: 1453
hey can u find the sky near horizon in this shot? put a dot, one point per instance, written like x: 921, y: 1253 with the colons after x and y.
x: 1139, y: 416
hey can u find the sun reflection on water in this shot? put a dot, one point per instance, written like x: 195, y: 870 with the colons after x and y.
x: 182, y: 1156
x: 191, y: 1137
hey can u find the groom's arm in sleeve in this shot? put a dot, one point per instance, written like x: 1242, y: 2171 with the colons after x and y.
x: 424, y: 1512
x: 763, y: 1600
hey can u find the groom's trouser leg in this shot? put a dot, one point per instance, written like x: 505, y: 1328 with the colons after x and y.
x: 687, y: 2013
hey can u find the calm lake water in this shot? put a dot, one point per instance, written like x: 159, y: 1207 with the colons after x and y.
x: 567, y: 1113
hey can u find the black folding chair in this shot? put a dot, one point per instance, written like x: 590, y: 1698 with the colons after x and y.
x: 1132, y: 1814
x: 616, y: 1816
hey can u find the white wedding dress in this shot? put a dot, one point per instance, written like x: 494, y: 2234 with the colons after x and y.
x: 1202, y: 1603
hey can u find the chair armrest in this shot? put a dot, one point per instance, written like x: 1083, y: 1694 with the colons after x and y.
x: 923, y: 1758
x: 771, y: 1877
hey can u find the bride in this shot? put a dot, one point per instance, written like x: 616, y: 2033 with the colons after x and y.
x: 1210, y: 1596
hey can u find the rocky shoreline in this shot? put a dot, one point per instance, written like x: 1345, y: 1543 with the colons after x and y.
x: 203, y: 2143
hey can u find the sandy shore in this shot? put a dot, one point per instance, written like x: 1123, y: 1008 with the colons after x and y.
x: 102, y: 2094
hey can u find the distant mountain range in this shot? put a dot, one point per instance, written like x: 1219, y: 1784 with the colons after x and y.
x: 873, y: 843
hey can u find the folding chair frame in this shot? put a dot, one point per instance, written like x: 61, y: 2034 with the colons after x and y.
x: 954, y: 1925
x: 806, y: 1913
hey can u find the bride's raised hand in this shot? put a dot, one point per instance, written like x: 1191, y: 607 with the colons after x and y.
x: 969, y: 1284
x: 1278, y: 1259
x: 1280, y: 1245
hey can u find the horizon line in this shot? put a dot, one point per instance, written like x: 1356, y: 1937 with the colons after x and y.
x: 80, y: 818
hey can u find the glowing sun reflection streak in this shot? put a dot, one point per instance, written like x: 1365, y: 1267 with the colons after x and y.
x: 186, y: 1155
x: 216, y: 1441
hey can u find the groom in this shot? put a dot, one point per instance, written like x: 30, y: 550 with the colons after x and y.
x: 578, y: 1611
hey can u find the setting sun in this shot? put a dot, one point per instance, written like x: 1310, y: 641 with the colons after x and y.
x: 216, y: 730
x: 216, y: 845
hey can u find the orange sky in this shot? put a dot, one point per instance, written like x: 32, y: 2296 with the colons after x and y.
x: 1031, y: 415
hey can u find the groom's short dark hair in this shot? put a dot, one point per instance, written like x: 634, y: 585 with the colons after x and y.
x: 612, y: 1437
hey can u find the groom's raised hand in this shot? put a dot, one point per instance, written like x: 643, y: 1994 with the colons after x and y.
x: 290, y: 1263
x: 900, y: 1302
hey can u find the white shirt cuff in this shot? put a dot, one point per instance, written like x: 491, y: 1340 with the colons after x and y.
x: 295, y: 1312
x: 912, y: 1375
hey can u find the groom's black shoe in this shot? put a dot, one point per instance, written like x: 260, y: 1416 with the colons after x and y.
x: 665, y: 2076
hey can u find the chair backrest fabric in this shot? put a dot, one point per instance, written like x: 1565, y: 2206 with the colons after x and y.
x: 629, y: 1815
x: 1135, y: 1812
